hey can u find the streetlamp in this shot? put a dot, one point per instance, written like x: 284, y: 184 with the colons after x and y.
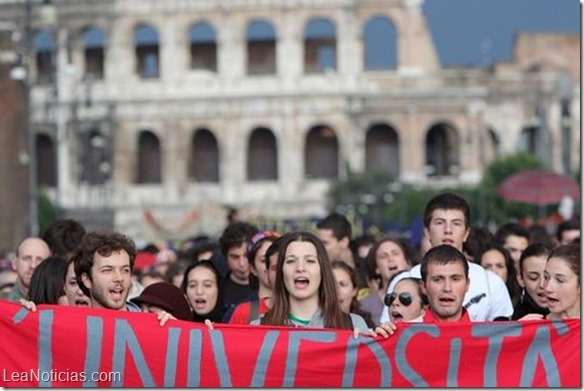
x: 565, y: 90
x: 47, y: 16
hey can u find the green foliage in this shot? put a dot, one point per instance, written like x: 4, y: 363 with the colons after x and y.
x: 47, y: 213
x: 499, y: 169
x: 378, y: 198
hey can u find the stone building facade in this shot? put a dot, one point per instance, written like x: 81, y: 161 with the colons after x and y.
x: 151, y: 116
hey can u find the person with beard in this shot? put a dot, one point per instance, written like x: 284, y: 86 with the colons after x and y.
x: 103, y: 264
x: 202, y: 285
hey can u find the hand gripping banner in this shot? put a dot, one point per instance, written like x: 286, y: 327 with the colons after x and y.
x: 60, y: 346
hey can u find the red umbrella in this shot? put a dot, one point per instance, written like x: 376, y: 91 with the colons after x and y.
x: 538, y: 187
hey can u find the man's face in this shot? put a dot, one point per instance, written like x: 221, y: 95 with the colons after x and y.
x: 110, y: 280
x: 447, y: 226
x: 333, y: 246
x: 445, y: 286
x: 238, y: 263
x: 515, y: 245
x: 30, y: 253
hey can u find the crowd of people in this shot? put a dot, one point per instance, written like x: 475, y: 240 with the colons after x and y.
x: 323, y: 279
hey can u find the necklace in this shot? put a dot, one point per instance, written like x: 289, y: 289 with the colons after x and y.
x: 298, y: 320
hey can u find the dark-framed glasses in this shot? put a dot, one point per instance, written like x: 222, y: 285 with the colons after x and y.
x: 405, y: 298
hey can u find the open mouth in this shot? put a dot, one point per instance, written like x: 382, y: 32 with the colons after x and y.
x: 396, y: 316
x: 446, y: 301
x: 83, y: 303
x: 552, y: 301
x: 117, y: 294
x: 301, y: 282
x: 200, y: 303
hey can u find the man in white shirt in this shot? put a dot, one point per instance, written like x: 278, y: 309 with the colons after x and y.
x: 447, y: 221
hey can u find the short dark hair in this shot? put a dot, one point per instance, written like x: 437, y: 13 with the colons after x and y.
x: 102, y: 242
x: 63, y: 235
x: 567, y: 225
x: 442, y: 255
x: 447, y: 201
x: 338, y: 223
x: 510, y: 229
x: 533, y: 250
x: 236, y: 234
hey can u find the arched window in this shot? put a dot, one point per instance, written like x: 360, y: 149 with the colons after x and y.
x: 320, y: 46
x: 442, y: 150
x: 261, y: 48
x: 262, y: 156
x: 147, y: 57
x: 536, y: 141
x: 46, y: 164
x: 203, y: 47
x: 380, y: 41
x: 321, y: 154
x: 94, y: 52
x: 149, y: 158
x: 382, y: 150
x: 204, y: 157
x: 44, y: 47
x: 94, y: 161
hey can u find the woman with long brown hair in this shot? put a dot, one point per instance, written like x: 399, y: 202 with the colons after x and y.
x: 305, y: 292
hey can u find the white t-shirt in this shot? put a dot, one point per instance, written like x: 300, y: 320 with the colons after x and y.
x: 487, y: 292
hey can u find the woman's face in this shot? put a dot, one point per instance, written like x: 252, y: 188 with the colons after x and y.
x: 345, y: 289
x: 562, y: 288
x: 532, y: 279
x: 74, y: 294
x: 399, y: 311
x: 202, y: 290
x: 259, y: 265
x: 494, y: 261
x: 301, y: 271
x: 390, y: 259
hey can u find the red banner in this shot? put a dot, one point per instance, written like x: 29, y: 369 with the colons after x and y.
x: 68, y: 346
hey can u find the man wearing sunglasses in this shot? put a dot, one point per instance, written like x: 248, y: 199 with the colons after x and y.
x: 447, y: 222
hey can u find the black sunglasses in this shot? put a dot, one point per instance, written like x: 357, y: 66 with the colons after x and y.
x: 405, y: 298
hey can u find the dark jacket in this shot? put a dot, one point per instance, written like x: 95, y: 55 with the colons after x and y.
x: 527, y: 306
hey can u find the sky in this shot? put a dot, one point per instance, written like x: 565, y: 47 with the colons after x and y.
x: 480, y: 32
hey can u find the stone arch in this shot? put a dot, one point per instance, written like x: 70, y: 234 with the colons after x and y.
x: 536, y: 140
x: 442, y: 150
x: 262, y: 155
x: 93, y: 52
x: 321, y: 153
x: 261, y: 47
x: 94, y: 161
x: 147, y: 46
x: 320, y: 45
x: 44, y: 48
x: 380, y: 44
x: 204, y: 157
x: 149, y: 158
x: 203, y: 46
x: 382, y: 150
x: 45, y: 157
